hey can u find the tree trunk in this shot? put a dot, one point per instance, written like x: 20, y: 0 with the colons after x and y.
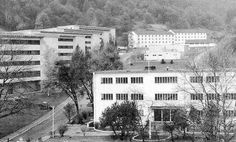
x: 172, y: 137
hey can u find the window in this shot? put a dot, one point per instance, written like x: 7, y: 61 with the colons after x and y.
x: 136, y: 96
x: 87, y: 36
x: 65, y: 47
x: 196, y: 79
x: 30, y: 42
x: 87, y: 42
x: 65, y: 39
x: 136, y: 79
x: 18, y: 63
x: 230, y: 96
x: 166, y: 96
x: 22, y: 74
x: 65, y: 54
x: 210, y: 79
x: 197, y: 96
x: 212, y: 96
x: 20, y: 52
x: 106, y: 80
x: 107, y: 97
x: 121, y: 96
x: 165, y: 79
x: 163, y: 114
x: 121, y: 80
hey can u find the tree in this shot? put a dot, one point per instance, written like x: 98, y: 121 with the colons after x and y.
x: 169, y: 127
x: 213, y: 94
x: 120, y: 117
x: 12, y: 100
x: 69, y: 111
x: 70, y: 77
x: 180, y: 120
x: 42, y: 21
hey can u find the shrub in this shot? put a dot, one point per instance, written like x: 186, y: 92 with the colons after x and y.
x: 84, y: 115
x: 69, y: 111
x: 62, y: 129
x: 28, y: 140
x: 171, y: 61
x: 91, y: 124
x: 84, y: 129
x: 163, y: 61
x: 78, y: 119
x: 96, y: 125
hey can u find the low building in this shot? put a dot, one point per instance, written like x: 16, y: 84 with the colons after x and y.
x: 158, y: 92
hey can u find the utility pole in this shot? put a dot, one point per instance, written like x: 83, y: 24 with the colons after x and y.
x: 53, y: 129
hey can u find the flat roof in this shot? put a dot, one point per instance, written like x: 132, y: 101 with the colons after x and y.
x: 153, y: 32
x: 189, y: 31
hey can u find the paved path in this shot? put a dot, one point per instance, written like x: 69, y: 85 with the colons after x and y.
x: 40, y: 127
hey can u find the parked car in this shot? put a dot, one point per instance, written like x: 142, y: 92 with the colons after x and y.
x: 45, y: 106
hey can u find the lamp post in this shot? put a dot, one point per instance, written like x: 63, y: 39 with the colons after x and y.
x: 53, y: 129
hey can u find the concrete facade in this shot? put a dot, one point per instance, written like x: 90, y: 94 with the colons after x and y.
x: 54, y: 44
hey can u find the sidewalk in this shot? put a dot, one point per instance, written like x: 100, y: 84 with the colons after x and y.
x: 35, y: 123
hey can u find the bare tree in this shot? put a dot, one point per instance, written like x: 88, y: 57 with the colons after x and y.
x: 13, y: 69
x: 214, y: 95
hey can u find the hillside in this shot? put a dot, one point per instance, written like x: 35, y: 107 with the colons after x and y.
x: 124, y: 15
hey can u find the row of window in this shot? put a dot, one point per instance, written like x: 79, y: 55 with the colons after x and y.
x: 121, y: 96
x: 65, y: 47
x: 21, y: 74
x: 65, y: 54
x: 170, y: 79
x: 19, y: 63
x: 65, y: 39
x: 121, y: 80
x: 25, y: 42
x: 20, y: 52
x: 166, y: 96
x: 209, y: 79
x: 212, y: 96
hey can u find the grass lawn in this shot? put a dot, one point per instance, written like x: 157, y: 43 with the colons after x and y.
x: 14, y: 122
x: 86, y: 139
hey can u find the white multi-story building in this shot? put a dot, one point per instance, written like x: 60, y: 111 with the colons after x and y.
x: 38, y: 49
x: 159, y: 92
x: 148, y: 39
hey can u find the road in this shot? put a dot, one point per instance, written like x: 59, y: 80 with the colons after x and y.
x: 42, y: 126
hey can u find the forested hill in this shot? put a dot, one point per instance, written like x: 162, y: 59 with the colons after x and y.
x: 124, y: 15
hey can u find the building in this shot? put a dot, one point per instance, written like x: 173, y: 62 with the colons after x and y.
x: 172, y: 44
x: 158, y: 92
x: 148, y: 39
x: 37, y: 49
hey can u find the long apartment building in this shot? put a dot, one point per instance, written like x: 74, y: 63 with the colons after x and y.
x: 36, y: 50
x: 159, y: 92
x: 147, y: 39
x: 169, y: 44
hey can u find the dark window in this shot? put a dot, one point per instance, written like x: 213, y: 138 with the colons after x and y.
x: 18, y: 63
x: 121, y: 80
x: 166, y: 96
x: 136, y: 96
x: 136, y: 79
x: 20, y: 74
x: 106, y: 80
x: 13, y: 41
x: 107, y: 97
x: 20, y: 52
x: 197, y: 96
x: 157, y: 115
x: 121, y: 96
x: 87, y: 42
x: 166, y: 80
x: 87, y: 36
x: 65, y: 39
x: 65, y: 54
x: 210, y: 79
x: 196, y: 79
x: 65, y: 47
